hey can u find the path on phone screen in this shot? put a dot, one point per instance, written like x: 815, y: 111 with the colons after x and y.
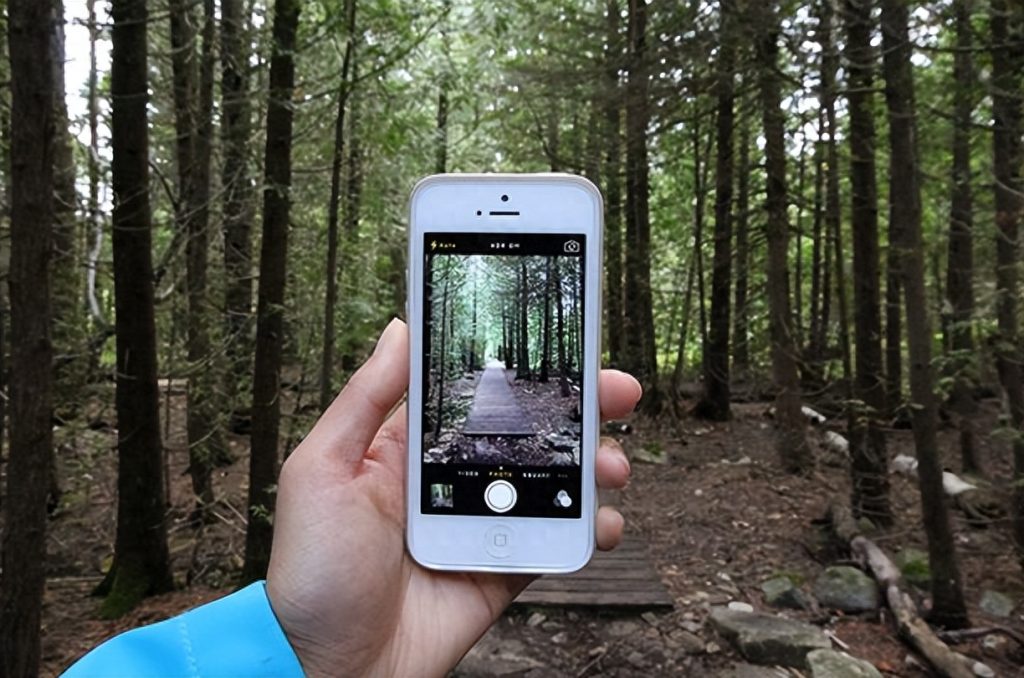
x: 495, y: 410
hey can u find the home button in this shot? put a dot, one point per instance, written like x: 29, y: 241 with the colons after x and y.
x: 498, y: 541
x: 500, y: 496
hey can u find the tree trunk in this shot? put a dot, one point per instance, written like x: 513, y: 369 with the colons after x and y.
x: 813, y: 360
x: 893, y: 316
x: 65, y: 279
x: 523, y: 361
x: 352, y: 204
x: 442, y: 355
x: 960, y: 255
x: 1007, y: 26
x: 741, y: 314
x: 833, y: 208
x: 867, y: 443
x: 714, y: 404
x: 791, y: 441
x: 639, y: 321
x: 23, y: 576
x: 95, y: 216
x: 266, y: 401
x: 563, y: 368
x: 545, y: 358
x: 613, y: 63
x: 948, y: 608
x: 194, y: 122
x: 239, y: 196
x: 333, y: 205
x: 141, y: 560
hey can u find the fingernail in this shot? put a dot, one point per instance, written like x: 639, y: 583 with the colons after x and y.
x: 624, y: 460
x: 388, y: 336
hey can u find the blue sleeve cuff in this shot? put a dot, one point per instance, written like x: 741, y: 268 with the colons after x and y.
x: 237, y: 635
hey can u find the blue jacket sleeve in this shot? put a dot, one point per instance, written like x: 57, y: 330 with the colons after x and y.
x: 237, y: 635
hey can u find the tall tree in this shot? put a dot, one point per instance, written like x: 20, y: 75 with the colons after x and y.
x: 642, y: 360
x: 791, y: 441
x: 333, y: 207
x: 867, y: 443
x: 22, y: 577
x: 266, y: 400
x: 193, y: 99
x: 960, y: 254
x: 741, y: 312
x: 238, y: 193
x: 141, y: 560
x: 612, y: 101
x: 948, y: 607
x: 1007, y: 27
x: 714, y: 404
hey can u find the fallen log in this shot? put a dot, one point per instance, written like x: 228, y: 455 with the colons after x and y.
x: 909, y: 624
x: 962, y: 635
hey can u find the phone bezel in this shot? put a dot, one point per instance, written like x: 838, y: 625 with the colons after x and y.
x: 547, y: 203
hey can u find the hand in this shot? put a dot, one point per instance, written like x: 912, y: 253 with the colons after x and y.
x: 349, y: 597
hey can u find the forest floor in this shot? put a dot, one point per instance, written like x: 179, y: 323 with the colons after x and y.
x: 710, y: 501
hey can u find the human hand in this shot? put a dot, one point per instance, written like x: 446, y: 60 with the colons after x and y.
x: 345, y: 590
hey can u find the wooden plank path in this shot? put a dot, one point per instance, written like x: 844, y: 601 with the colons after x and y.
x: 495, y: 411
x: 623, y: 578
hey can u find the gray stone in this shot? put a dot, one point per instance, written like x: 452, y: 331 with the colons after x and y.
x: 765, y: 639
x: 623, y: 627
x: 982, y: 670
x: 685, y: 641
x: 782, y: 592
x: 913, y: 564
x: 739, y: 606
x: 846, y: 588
x: 752, y: 671
x: 996, y: 604
x: 535, y: 619
x: 832, y: 664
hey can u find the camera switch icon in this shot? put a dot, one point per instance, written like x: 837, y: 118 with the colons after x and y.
x: 572, y: 246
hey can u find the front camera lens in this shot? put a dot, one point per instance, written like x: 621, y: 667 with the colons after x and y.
x: 504, y: 198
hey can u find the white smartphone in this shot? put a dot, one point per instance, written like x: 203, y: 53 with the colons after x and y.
x: 504, y: 316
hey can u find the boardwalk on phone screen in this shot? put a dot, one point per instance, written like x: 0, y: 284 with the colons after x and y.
x: 495, y: 410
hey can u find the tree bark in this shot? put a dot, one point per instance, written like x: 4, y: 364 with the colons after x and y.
x: 266, y: 401
x: 714, y: 404
x: 791, y: 441
x: 1007, y: 27
x: 545, y: 358
x: 523, y: 360
x: 141, y: 559
x: 741, y: 313
x: 613, y: 62
x: 239, y: 195
x: 948, y: 607
x: 22, y: 578
x: 960, y: 254
x: 333, y: 206
x: 867, y: 442
x: 639, y: 322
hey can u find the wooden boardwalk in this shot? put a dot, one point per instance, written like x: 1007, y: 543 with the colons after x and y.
x: 495, y: 411
x: 623, y: 578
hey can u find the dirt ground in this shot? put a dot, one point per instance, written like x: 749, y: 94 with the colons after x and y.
x: 718, y: 515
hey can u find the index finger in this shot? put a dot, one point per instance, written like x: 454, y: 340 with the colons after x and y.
x: 618, y: 393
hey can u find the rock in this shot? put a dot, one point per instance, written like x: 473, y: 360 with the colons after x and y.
x: 623, y: 627
x: 737, y: 606
x: 832, y: 664
x: 846, y: 588
x: 982, y: 670
x: 650, y: 618
x: 560, y: 443
x: 687, y: 642
x: 993, y: 642
x: 712, y: 648
x: 637, y: 659
x: 535, y: 619
x: 782, y: 592
x: 560, y: 637
x: 691, y: 626
x: 996, y: 604
x: 913, y: 563
x: 766, y: 639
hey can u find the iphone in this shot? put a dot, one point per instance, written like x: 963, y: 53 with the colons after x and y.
x: 504, y: 316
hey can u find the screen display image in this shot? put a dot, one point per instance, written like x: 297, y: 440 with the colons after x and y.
x: 502, y: 374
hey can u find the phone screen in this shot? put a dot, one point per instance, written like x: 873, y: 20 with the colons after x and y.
x: 503, y: 369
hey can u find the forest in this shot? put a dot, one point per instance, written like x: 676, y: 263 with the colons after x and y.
x: 812, y: 264
x: 498, y: 319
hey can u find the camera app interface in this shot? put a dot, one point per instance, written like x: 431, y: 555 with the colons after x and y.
x: 502, y: 374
